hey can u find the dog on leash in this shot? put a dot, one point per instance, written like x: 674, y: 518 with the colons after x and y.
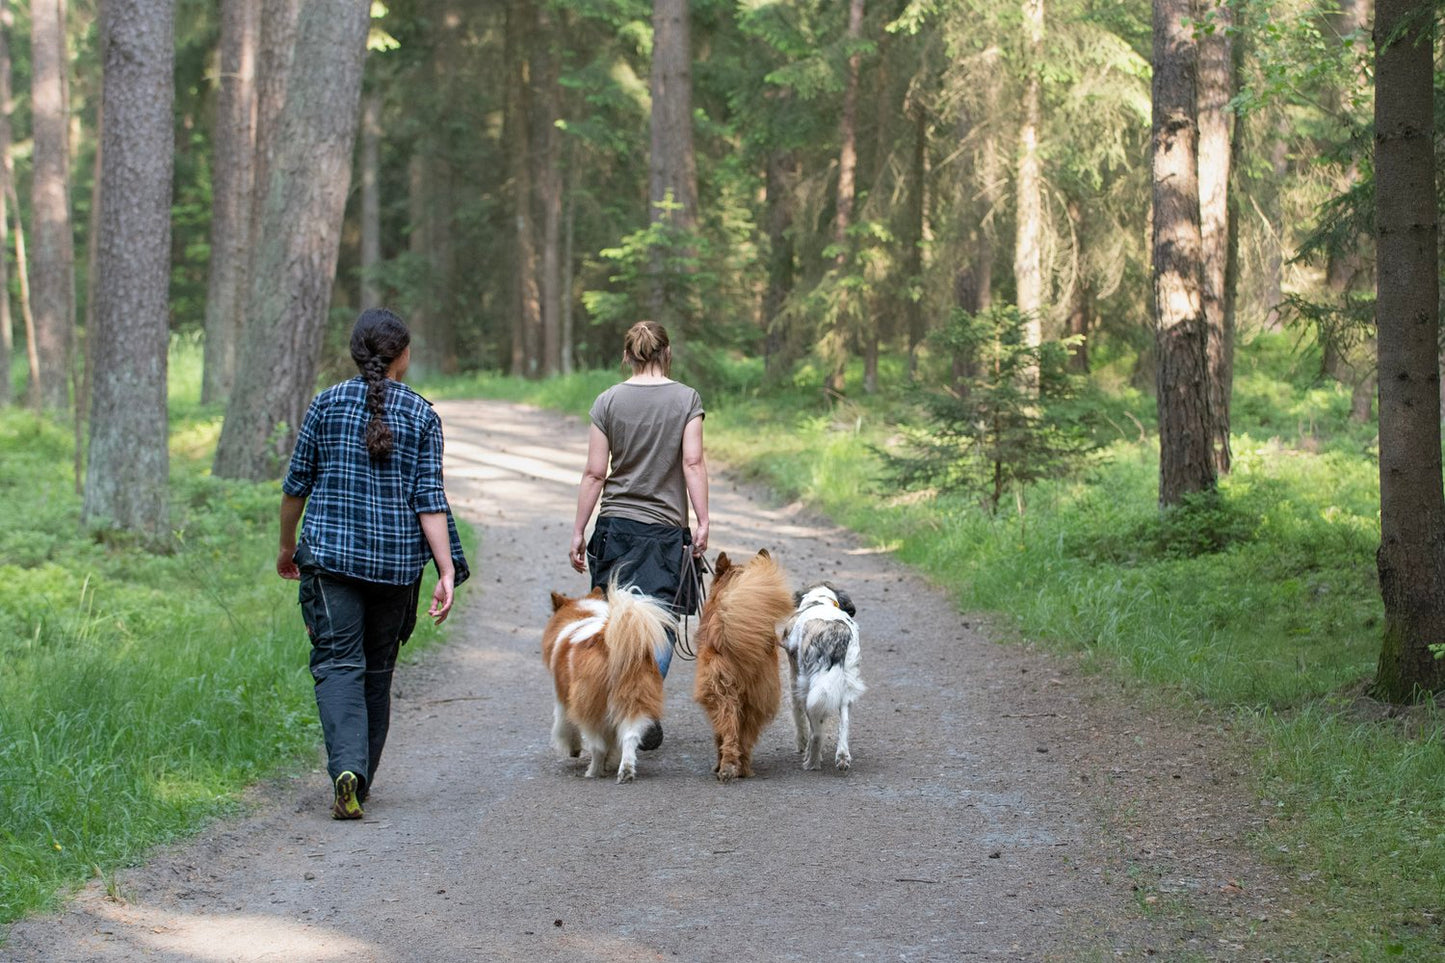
x: 600, y: 649
x: 737, y: 681
x: 821, y: 640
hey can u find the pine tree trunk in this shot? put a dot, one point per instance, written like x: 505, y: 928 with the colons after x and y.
x: 780, y: 186
x: 1411, y: 558
x: 1029, y: 239
x: 234, y: 151
x: 370, y: 199
x: 127, y: 476
x: 672, y: 167
x: 52, y: 278
x: 1215, y: 88
x: 1080, y: 301
x: 7, y: 330
x: 836, y: 341
x: 22, y: 277
x: 915, y: 321
x: 527, y: 300
x: 549, y: 192
x: 296, y: 248
x: 1186, y: 460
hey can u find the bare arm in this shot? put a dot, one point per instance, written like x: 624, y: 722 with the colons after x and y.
x: 694, y: 470
x: 291, y: 506
x: 590, y: 489
x: 434, y: 527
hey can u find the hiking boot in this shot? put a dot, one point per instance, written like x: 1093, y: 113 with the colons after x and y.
x: 346, y: 805
x: 652, y: 738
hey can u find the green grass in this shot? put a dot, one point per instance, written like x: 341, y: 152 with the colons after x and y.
x: 1262, y: 604
x: 140, y: 690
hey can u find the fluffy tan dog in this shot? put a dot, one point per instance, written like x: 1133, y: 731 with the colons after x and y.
x: 737, y: 680
x: 600, y: 649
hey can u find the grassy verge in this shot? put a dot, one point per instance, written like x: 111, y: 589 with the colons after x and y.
x: 1263, y: 605
x: 141, y: 688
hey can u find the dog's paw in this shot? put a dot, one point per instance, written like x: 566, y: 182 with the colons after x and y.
x: 801, y: 746
x: 626, y: 774
x: 810, y: 764
x: 844, y: 763
x: 727, y: 773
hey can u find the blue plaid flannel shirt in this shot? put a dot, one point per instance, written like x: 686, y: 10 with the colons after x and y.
x: 361, y: 514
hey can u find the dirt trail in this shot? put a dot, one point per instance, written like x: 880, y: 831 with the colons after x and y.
x: 1002, y: 806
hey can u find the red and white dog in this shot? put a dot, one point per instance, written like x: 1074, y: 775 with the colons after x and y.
x: 600, y: 649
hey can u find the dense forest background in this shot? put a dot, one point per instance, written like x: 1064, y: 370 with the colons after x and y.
x: 1011, y: 208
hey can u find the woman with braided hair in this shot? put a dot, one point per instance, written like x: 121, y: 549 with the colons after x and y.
x: 367, y: 469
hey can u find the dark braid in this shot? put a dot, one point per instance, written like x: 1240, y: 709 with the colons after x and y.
x: 378, y: 339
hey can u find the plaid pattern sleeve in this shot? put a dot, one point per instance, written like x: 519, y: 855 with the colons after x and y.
x: 361, y: 513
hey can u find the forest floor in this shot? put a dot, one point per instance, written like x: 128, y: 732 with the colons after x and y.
x: 1003, y: 805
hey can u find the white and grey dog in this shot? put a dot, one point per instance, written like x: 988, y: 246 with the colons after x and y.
x: 822, y: 643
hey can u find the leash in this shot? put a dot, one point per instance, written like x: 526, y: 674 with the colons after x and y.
x: 691, y: 576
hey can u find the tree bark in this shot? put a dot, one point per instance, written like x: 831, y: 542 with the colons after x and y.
x: 1186, y: 460
x: 780, y: 186
x: 915, y: 320
x: 296, y: 249
x: 1411, y: 557
x: 22, y: 277
x: 1029, y: 239
x: 837, y: 340
x: 7, y: 330
x: 672, y: 167
x: 370, y: 199
x: 1215, y: 88
x: 127, y: 476
x: 549, y: 191
x: 231, y: 186
x: 527, y: 299
x: 1080, y: 301
x: 53, y: 277
x: 434, y: 203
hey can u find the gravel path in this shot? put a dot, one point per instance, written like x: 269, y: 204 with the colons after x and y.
x: 1002, y: 805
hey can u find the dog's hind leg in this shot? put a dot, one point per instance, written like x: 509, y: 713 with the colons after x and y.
x: 565, y: 736
x: 726, y: 724
x: 799, y: 701
x: 814, y: 757
x: 629, y: 735
x: 801, y: 728
x: 596, y: 745
x: 843, y: 758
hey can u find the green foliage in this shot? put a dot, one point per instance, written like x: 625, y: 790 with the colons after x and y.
x: 993, y: 432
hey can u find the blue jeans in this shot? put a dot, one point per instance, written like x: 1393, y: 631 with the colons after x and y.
x: 356, y: 630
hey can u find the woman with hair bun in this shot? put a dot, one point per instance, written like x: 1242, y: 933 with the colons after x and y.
x: 645, y: 461
x: 367, y: 469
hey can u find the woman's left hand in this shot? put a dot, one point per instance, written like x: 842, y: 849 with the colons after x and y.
x: 441, y: 599
x: 577, y: 554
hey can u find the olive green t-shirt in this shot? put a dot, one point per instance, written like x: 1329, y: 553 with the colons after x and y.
x: 643, y: 424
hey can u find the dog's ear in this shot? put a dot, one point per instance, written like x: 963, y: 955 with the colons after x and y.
x: 559, y: 600
x: 722, y: 564
x: 797, y: 598
x: 764, y: 553
x: 844, y: 602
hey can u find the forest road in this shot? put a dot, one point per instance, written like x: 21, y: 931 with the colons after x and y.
x: 1002, y: 806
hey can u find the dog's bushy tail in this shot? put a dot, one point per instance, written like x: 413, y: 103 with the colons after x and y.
x: 755, y: 601
x: 637, y: 626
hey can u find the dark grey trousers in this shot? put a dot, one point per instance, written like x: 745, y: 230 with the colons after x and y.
x: 356, y: 630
